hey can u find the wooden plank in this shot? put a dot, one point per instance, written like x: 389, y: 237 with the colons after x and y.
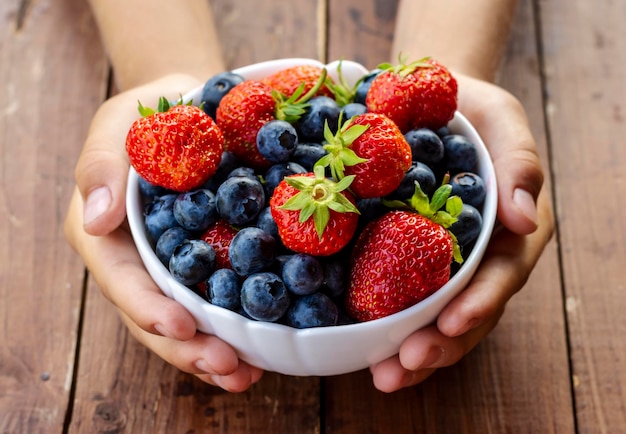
x: 497, y: 386
x: 585, y: 54
x: 122, y: 387
x: 51, y: 74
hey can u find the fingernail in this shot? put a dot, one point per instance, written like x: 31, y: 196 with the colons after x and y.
x: 525, y: 202
x: 160, y: 328
x: 98, y: 201
x: 434, y: 356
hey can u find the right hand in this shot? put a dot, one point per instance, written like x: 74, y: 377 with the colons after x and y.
x: 95, y: 227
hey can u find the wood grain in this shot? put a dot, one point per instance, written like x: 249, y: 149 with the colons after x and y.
x: 52, y: 75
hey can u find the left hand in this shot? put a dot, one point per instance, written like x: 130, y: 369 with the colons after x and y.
x: 525, y: 212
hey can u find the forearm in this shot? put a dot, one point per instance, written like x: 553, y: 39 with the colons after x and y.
x: 141, y: 48
x: 469, y: 36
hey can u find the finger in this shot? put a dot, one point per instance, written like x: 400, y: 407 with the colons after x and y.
x: 389, y: 375
x: 504, y: 270
x: 102, y: 167
x: 501, y: 121
x: 117, y: 268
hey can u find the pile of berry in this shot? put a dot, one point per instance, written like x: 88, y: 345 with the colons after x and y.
x: 301, y: 200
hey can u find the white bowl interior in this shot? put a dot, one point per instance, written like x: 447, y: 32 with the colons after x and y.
x: 324, y: 350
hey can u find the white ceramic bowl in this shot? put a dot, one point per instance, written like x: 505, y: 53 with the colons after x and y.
x: 325, y: 350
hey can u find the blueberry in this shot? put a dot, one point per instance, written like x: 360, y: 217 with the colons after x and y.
x: 195, y: 210
x: 276, y: 173
x: 351, y: 110
x: 251, y: 250
x: 335, y: 277
x: 224, y: 289
x: 159, y: 216
x: 276, y: 140
x: 215, y: 88
x: 239, y: 200
x: 264, y: 297
x: 321, y: 109
x: 443, y: 131
x: 266, y: 222
x: 370, y: 209
x: 426, y: 146
x: 469, y: 187
x: 468, y: 225
x: 228, y: 163
x: 303, y: 274
x: 460, y: 154
x: 364, y: 84
x: 168, y: 241
x: 242, y: 171
x: 307, y: 154
x: 313, y: 310
x: 420, y: 173
x: 192, y: 262
x: 150, y: 191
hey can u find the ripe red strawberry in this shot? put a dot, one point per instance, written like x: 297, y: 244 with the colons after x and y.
x: 250, y: 105
x: 178, y: 147
x: 314, y: 215
x: 422, y: 94
x: 403, y: 257
x: 372, y: 148
x: 219, y: 235
x: 287, y: 81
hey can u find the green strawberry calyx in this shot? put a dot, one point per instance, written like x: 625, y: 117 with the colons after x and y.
x: 291, y: 108
x: 343, y: 92
x: 163, y: 106
x: 402, y: 68
x: 317, y: 196
x: 442, y: 209
x: 338, y: 147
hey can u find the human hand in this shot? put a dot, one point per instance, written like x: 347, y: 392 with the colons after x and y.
x: 525, y: 212
x: 95, y: 228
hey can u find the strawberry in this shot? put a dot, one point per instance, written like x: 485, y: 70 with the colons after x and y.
x: 314, y: 215
x: 288, y: 80
x: 219, y: 235
x: 422, y: 94
x: 403, y: 256
x: 250, y: 105
x: 372, y: 148
x: 178, y: 147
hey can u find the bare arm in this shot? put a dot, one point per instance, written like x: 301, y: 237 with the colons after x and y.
x: 141, y: 49
x: 467, y: 36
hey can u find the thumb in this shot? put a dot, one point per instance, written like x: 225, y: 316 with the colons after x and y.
x: 501, y: 121
x: 102, y: 168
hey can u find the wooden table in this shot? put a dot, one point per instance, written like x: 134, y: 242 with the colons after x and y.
x: 555, y: 363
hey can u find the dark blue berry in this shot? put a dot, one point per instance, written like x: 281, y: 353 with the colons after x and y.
x: 468, y: 225
x: 370, y: 209
x: 159, y: 216
x: 223, y: 289
x: 168, y: 241
x: 150, y: 191
x: 239, y: 200
x: 215, y: 88
x: 228, y: 163
x: 364, y: 84
x: 192, y: 262
x: 307, y: 154
x: 335, y: 277
x: 252, y: 250
x: 276, y: 173
x: 469, y: 187
x: 443, y: 131
x: 420, y: 173
x: 426, y: 146
x: 351, y: 110
x: 266, y: 222
x: 243, y: 171
x: 303, y: 274
x: 276, y: 140
x: 321, y: 110
x: 460, y: 154
x: 313, y: 310
x: 264, y: 297
x: 195, y: 210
